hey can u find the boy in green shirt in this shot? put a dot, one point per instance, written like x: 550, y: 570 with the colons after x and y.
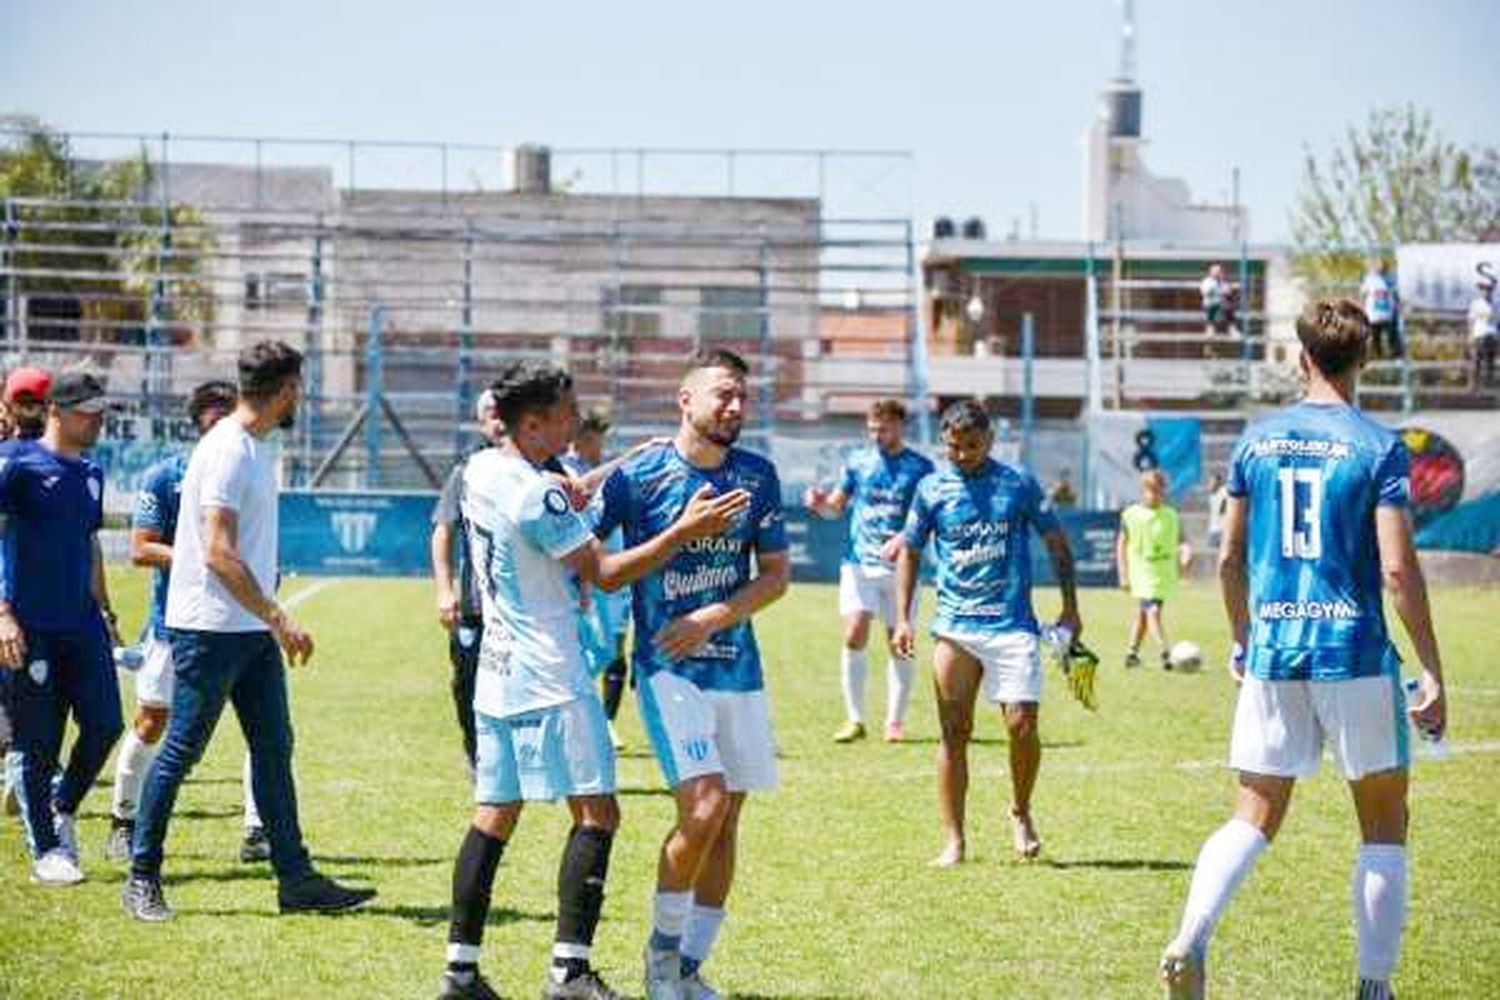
x: 1148, y: 554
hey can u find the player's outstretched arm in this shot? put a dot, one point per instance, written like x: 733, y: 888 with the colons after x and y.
x: 705, y: 515
x: 441, y: 551
x: 1403, y: 578
x: 1233, y: 583
x: 1056, y: 541
x: 682, y: 635
x: 147, y: 549
x: 908, y: 559
x: 825, y: 504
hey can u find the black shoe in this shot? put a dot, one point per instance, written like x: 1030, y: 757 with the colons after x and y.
x: 143, y: 900
x: 475, y: 988
x: 255, y: 847
x: 319, y: 894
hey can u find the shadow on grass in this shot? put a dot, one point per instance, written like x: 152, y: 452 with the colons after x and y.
x: 1119, y: 864
x: 993, y: 741
x: 795, y: 996
x: 245, y: 873
x: 379, y: 862
x: 651, y: 790
x: 434, y: 916
x: 197, y: 812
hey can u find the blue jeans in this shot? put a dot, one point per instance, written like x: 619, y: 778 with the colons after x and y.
x: 66, y: 671
x: 214, y: 667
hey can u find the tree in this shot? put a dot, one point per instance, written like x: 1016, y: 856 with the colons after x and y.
x: 1394, y: 180
x: 89, y: 247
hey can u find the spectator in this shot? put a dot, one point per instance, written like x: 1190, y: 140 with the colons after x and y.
x: 1482, y: 337
x: 1213, y: 289
x: 1061, y: 492
x: 1382, y: 305
x: 26, y: 394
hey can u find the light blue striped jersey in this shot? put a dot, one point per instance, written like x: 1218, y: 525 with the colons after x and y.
x: 1312, y: 475
x: 980, y: 525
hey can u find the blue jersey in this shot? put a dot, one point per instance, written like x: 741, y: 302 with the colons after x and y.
x: 980, y: 526
x: 880, y: 488
x: 52, y: 506
x: 644, y: 497
x: 156, y: 511
x: 1313, y: 475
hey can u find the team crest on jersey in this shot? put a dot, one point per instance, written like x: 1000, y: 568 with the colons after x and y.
x: 556, y: 502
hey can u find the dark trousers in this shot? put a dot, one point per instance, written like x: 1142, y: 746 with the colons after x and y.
x: 1388, y: 332
x: 463, y: 653
x: 1485, y: 349
x: 65, y: 672
x: 244, y: 668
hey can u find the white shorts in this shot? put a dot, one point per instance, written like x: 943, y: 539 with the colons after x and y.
x: 542, y: 756
x: 156, y: 678
x: 1280, y: 727
x: 1012, y: 663
x: 696, y: 732
x: 871, y: 590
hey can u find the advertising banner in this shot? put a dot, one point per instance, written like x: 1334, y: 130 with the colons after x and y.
x: 356, y: 534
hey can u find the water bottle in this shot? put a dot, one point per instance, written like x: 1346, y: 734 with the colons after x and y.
x: 1430, y: 741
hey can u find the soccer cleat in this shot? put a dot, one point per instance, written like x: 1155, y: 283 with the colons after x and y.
x: 849, y: 732
x: 663, y: 974
x: 584, y: 986
x: 1132, y: 660
x: 255, y: 847
x: 895, y: 732
x: 1183, y: 973
x: 143, y: 900
x: 472, y: 987
x: 56, y: 867
x: 694, y: 987
x: 320, y: 894
x: 65, y: 825
x: 121, y: 832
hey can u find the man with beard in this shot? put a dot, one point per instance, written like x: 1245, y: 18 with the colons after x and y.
x: 225, y: 629
x: 55, y: 621
x: 702, y: 696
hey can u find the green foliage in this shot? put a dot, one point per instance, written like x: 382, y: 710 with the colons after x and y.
x: 833, y: 895
x: 90, y: 233
x: 1394, y: 180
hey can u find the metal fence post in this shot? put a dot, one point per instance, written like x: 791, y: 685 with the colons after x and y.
x: 311, y: 422
x: 1028, y: 389
x: 917, y: 375
x: 768, y: 377
x: 12, y: 303
x: 465, y: 369
x: 374, y: 390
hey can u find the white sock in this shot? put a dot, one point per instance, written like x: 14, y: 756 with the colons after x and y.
x: 131, y: 765
x: 1226, y: 858
x: 669, y: 912
x: 252, y: 814
x: 1379, y: 896
x: 702, y: 930
x: 854, y: 666
x: 899, y: 675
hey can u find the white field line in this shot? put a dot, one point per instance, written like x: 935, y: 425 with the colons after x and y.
x: 307, y: 593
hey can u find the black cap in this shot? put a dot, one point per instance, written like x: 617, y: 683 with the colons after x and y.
x: 79, y: 391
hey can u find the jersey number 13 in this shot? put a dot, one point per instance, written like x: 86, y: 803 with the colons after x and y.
x: 1301, y: 513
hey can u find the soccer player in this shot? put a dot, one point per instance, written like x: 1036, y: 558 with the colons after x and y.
x: 697, y: 666
x: 877, y: 486
x: 458, y: 605
x: 151, y: 534
x: 56, y: 626
x: 607, y: 616
x: 979, y: 513
x: 1317, y: 516
x: 1148, y: 553
x: 227, y: 634
x: 1378, y: 293
x: 541, y: 730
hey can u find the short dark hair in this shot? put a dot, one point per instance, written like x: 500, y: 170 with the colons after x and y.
x: 718, y: 357
x: 965, y: 415
x: 266, y: 366
x: 218, y: 393
x: 888, y: 409
x: 1334, y: 333
x: 527, y: 387
x: 593, y: 422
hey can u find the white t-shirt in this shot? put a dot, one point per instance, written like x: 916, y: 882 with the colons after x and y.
x: 1212, y: 291
x: 232, y: 469
x: 521, y: 524
x: 1380, y: 305
x: 1481, y: 318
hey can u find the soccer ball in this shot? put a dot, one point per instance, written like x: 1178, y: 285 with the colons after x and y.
x: 1185, y: 656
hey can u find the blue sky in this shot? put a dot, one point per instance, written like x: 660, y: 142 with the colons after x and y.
x: 992, y: 97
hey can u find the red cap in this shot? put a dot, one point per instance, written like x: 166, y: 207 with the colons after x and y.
x: 33, y: 382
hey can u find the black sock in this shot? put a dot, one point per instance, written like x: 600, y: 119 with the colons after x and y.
x: 614, y: 687
x: 473, y: 877
x: 580, y: 887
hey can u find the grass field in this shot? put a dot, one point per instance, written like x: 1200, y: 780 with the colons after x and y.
x: 834, y: 898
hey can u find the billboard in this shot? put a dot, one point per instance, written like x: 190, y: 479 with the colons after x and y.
x: 356, y: 534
